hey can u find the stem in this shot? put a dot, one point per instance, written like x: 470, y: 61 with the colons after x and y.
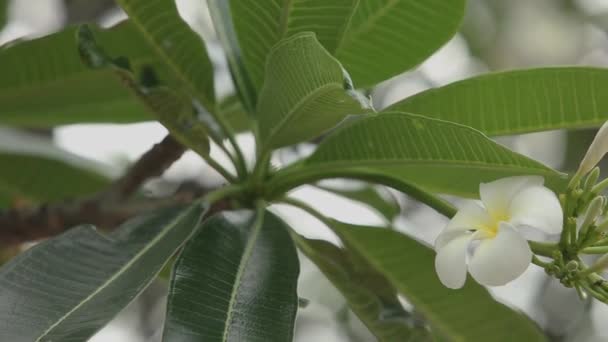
x: 540, y: 263
x: 300, y: 175
x: 222, y: 193
x: 261, y: 166
x: 307, y: 208
x: 595, y: 250
x: 543, y: 248
x: 219, y: 168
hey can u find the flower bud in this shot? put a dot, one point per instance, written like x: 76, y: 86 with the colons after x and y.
x: 594, y: 209
x: 596, y: 151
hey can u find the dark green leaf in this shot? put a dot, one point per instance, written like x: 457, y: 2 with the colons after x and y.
x: 223, y: 23
x: 375, y: 197
x: 468, y: 314
x: 235, y: 281
x: 3, y: 13
x: 67, y: 288
x: 33, y: 169
x: 367, y: 292
x: 374, y: 39
x: 520, y: 101
x: 306, y: 92
x: 437, y: 155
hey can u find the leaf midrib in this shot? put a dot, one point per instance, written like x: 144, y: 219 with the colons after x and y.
x: 253, y: 237
x: 358, y: 163
x: 123, y: 269
x: 168, y: 60
x: 291, y: 115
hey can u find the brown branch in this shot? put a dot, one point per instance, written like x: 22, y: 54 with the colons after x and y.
x: 106, y: 209
x: 153, y: 163
x: 36, y: 223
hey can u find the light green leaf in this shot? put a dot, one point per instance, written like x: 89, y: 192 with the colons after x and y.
x: 52, y: 86
x: 468, y: 314
x: 31, y: 168
x: 436, y: 155
x: 367, y: 292
x: 235, y: 281
x: 374, y: 39
x: 68, y: 287
x: 519, y: 101
x: 306, y: 92
x: 174, y: 44
x: 232, y: 109
x: 378, y: 198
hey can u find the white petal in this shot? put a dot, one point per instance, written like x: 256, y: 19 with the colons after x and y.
x: 596, y: 151
x: 500, y: 260
x: 470, y: 216
x: 537, y: 207
x: 497, y: 195
x: 451, y: 262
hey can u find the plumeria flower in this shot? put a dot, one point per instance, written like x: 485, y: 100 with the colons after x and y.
x: 486, y: 237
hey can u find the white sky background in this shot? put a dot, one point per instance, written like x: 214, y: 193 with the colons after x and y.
x: 537, y: 33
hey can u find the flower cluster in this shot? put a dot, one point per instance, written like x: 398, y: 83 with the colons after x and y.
x: 485, y: 237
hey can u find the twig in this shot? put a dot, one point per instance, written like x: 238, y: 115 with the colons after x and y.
x: 30, y: 224
x: 105, y: 209
x: 152, y: 164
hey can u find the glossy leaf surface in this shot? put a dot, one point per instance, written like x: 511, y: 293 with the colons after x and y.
x: 235, y: 281
x: 68, y: 287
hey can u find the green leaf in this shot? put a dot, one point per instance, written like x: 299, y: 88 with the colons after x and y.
x: 374, y: 39
x: 67, y: 288
x: 232, y: 109
x: 367, y: 292
x: 172, y: 109
x: 223, y: 24
x: 33, y: 169
x: 436, y: 155
x: 373, y: 196
x: 65, y: 90
x: 306, y: 92
x: 468, y: 314
x: 235, y: 281
x: 520, y: 101
x: 174, y: 43
x: 3, y: 13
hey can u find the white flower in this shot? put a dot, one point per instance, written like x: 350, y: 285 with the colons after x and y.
x: 502, y: 254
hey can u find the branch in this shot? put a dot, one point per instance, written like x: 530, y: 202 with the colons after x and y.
x: 153, y: 163
x: 106, y: 209
x: 36, y: 223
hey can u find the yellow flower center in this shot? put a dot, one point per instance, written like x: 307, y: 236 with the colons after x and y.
x: 491, y: 228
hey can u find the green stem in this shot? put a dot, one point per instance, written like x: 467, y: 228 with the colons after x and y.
x: 223, y: 193
x: 595, y: 250
x: 543, y: 248
x: 219, y: 168
x: 261, y: 167
x: 540, y: 263
x: 300, y: 175
x: 307, y: 208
